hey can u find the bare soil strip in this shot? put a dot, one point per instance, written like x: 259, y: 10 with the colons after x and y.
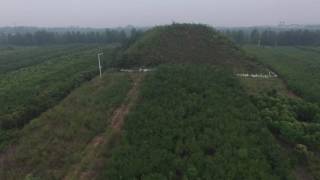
x: 87, y: 168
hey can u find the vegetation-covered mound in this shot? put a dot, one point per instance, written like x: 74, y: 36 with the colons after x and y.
x: 195, y: 122
x: 185, y: 43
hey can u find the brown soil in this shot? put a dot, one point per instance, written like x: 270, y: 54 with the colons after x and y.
x: 5, y: 159
x: 300, y: 173
x: 123, y: 110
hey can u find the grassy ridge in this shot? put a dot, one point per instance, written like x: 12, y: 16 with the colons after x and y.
x: 195, y: 122
x: 298, y: 66
x: 186, y: 43
x: 52, y: 143
x: 26, y: 92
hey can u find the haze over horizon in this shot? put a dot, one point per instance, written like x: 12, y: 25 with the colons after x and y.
x: 108, y: 13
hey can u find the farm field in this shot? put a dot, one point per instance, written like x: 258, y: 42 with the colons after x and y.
x: 14, y: 58
x: 299, y: 67
x: 38, y: 78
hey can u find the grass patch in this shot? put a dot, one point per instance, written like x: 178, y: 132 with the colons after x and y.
x: 255, y: 86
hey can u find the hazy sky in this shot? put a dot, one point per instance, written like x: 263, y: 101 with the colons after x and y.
x: 111, y: 13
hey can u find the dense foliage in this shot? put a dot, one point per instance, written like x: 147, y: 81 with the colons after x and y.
x: 295, y: 122
x: 185, y: 43
x: 195, y: 122
x: 294, y: 119
x: 46, y: 78
x: 299, y: 37
x: 53, y: 142
x: 298, y: 66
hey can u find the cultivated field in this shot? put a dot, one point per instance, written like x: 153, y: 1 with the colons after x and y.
x: 34, y: 79
x: 298, y: 66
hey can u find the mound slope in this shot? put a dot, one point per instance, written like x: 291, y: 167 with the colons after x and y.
x: 186, y: 43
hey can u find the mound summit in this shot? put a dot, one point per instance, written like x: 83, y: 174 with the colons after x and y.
x: 185, y: 44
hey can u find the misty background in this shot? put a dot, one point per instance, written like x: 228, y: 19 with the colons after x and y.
x: 111, y: 13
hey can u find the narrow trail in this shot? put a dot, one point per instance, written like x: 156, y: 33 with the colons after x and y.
x: 87, y: 168
x: 300, y: 172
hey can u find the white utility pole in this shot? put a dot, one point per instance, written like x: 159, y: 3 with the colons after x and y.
x: 100, y: 54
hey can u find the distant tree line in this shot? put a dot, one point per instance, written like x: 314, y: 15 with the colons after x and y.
x: 275, y: 38
x: 43, y: 37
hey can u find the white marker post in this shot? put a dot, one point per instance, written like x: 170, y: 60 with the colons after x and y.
x: 100, y: 54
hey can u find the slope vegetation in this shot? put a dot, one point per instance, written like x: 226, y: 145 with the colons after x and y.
x: 186, y: 43
x: 198, y: 122
x: 51, y: 144
x: 195, y: 122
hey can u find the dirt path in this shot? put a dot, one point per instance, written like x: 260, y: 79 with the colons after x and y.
x: 89, y: 165
x: 5, y: 160
x: 300, y: 173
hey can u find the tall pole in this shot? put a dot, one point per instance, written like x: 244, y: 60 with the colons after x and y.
x: 99, y: 61
x: 259, y: 41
